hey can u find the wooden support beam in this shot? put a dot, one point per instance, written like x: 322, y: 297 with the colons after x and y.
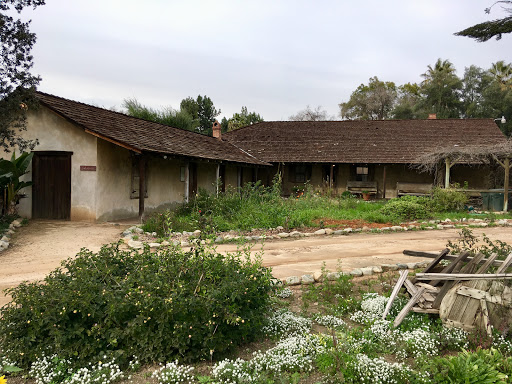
x: 463, y: 276
x: 448, y: 165
x: 384, y: 182
x: 405, y: 310
x: 331, y: 175
x: 187, y: 182
x: 217, y: 179
x: 505, y: 184
x: 142, y: 185
x: 433, y: 255
x: 399, y: 283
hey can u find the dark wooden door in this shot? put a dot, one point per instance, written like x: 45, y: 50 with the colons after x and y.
x: 51, y: 191
x: 192, y: 180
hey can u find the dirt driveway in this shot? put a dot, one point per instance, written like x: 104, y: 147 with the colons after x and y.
x: 39, y: 247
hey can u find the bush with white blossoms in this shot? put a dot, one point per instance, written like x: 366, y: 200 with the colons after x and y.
x: 455, y: 339
x: 284, y: 323
x: 174, y: 373
x: 379, y: 371
x: 50, y: 369
x: 6, y: 362
x: 502, y: 344
x: 330, y: 321
x: 100, y: 373
x: 420, y: 342
x: 372, y: 308
x: 284, y: 293
x: 232, y: 372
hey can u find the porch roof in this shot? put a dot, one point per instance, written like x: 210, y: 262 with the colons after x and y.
x: 373, y: 141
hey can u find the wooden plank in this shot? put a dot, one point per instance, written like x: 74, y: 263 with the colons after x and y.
x: 436, y: 261
x: 410, y: 287
x: 463, y: 276
x: 424, y: 310
x: 457, y: 324
x: 396, y: 289
x: 505, y: 264
x: 432, y: 255
x: 485, y: 266
x: 483, y: 295
x: 485, y: 316
x: 429, y: 288
x: 455, y: 265
x: 405, y: 310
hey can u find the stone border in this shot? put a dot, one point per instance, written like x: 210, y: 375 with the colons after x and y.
x: 318, y: 276
x: 6, y: 236
x: 184, y: 239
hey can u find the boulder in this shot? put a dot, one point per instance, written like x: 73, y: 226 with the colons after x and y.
x: 319, y: 232
x: 318, y: 276
x: 135, y: 244
x: 347, y: 230
x: 356, y: 272
x: 283, y: 235
x: 292, y: 280
x: 389, y: 267
x: 307, y: 279
x: 328, y: 231
x: 367, y: 271
x: 377, y: 269
x: 296, y: 234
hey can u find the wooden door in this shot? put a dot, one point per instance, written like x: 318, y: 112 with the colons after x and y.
x: 51, y: 191
x: 192, y: 183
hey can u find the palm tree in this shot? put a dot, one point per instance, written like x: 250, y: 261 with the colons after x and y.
x: 502, y: 73
x: 441, y: 67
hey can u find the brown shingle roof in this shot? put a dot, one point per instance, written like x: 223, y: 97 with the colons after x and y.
x: 145, y: 135
x: 376, y: 141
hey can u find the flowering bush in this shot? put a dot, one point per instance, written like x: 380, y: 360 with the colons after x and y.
x: 174, y: 373
x: 284, y: 323
x: 158, y: 306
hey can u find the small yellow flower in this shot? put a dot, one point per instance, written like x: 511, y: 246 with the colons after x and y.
x: 2, y: 380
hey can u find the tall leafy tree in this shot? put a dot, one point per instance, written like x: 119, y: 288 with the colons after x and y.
x: 17, y: 83
x: 474, y: 83
x: 311, y: 114
x: 374, y: 101
x: 407, y: 101
x: 502, y: 73
x: 243, y: 119
x: 441, y: 89
x: 202, y: 110
x: 167, y: 116
x: 489, y: 29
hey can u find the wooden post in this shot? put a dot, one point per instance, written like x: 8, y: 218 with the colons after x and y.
x: 331, y: 176
x: 142, y: 185
x: 447, y: 174
x: 384, y: 183
x: 217, y: 177
x: 506, y: 164
x: 187, y: 181
x: 239, y: 177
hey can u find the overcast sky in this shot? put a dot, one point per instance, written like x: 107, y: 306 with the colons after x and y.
x: 273, y: 56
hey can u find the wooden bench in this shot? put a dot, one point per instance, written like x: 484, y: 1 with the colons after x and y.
x: 413, y: 189
x: 358, y: 187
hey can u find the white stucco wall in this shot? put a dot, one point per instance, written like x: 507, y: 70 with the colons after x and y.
x: 57, y: 134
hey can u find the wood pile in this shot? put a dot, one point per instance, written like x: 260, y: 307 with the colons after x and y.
x: 460, y: 289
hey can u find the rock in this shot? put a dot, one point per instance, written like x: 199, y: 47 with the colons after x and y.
x: 331, y: 276
x: 366, y: 229
x: 9, y: 232
x: 439, y: 226
x: 11, y: 226
x: 422, y: 264
x: 385, y: 229
x: 227, y: 237
x: 464, y: 219
x: 248, y: 238
x: 318, y: 276
x: 185, y: 244
x: 296, y: 234
x: 432, y: 222
x: 138, y: 230
x: 367, y: 271
x: 347, y: 230
x: 154, y: 234
x: 135, y: 244
x: 197, y: 233
x: 307, y: 279
x: 4, y: 244
x: 356, y: 272
x: 447, y: 221
x: 338, y: 232
x: 357, y: 230
x: 256, y: 238
x: 276, y: 282
x: 502, y: 222
x: 389, y: 267
x: 429, y: 228
x: 483, y: 225
x: 219, y: 239
x: 448, y: 226
x: 17, y: 223
x: 411, y: 227
x: 328, y: 231
x: 154, y: 245
x: 127, y: 233
x: 309, y: 234
x: 396, y: 228
x: 319, y: 232
x: 402, y: 266
x: 5, y: 238
x: 478, y: 220
x: 203, y: 242
x: 412, y: 265
x: 283, y: 235
x: 165, y: 243
x: 377, y: 269
x: 292, y: 280
x: 279, y: 228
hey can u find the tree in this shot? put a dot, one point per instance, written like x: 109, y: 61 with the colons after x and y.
x: 374, y: 101
x: 502, y: 73
x: 441, y: 90
x: 309, y: 114
x: 167, y: 116
x: 243, y: 119
x: 407, y: 101
x: 17, y: 84
x: 203, y: 111
x: 489, y: 29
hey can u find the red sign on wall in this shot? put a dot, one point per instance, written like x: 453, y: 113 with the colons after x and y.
x: 88, y: 168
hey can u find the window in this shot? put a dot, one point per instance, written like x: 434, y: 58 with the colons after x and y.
x: 134, y: 191
x: 300, y: 174
x: 361, y: 173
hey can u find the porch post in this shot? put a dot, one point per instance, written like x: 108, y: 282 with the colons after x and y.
x: 384, y: 182
x: 506, y: 163
x: 142, y: 184
x: 239, y: 177
x: 448, y: 164
x: 217, y: 179
x: 331, y: 184
x: 187, y: 181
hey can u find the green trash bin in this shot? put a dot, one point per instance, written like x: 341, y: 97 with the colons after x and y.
x: 486, y: 196
x: 495, y: 200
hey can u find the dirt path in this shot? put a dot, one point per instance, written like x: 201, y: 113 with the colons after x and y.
x: 39, y: 247
x: 297, y: 257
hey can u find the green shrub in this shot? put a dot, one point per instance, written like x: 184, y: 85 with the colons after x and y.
x: 448, y: 199
x: 407, y: 208
x: 157, y: 306
x: 482, y: 366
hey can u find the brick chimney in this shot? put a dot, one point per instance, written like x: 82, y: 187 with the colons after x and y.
x: 216, y: 130
x: 432, y: 116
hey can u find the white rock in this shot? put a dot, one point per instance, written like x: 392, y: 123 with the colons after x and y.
x: 319, y: 232
x: 356, y: 272
x: 154, y: 234
x: 328, y: 231
x: 331, y: 276
x: 318, y: 276
x: 165, y: 243
x: 135, y: 244
x: 448, y: 226
x: 367, y: 271
x: 347, y: 230
x: 138, y: 230
x: 196, y: 233
x: 296, y: 234
x: 309, y: 234
x: 292, y: 280
x: 17, y: 223
x: 389, y: 267
x: 439, y: 226
x: 5, y: 238
x: 154, y: 245
x: 185, y: 244
x: 307, y: 279
x: 228, y: 237
x: 396, y: 228
x: 385, y: 229
x: 447, y: 221
x: 366, y: 229
x: 9, y: 232
x: 377, y: 269
x: 412, y: 265
x: 279, y: 228
x: 283, y: 235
